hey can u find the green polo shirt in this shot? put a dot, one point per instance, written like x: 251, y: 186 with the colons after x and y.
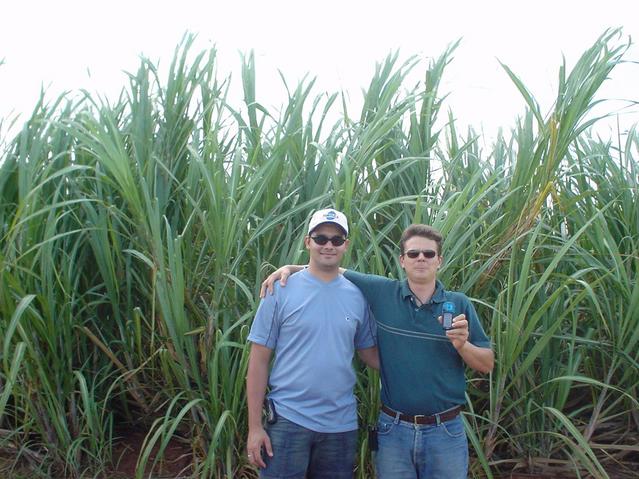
x: 421, y: 372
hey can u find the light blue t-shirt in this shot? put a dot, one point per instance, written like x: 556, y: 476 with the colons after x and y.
x: 314, y: 328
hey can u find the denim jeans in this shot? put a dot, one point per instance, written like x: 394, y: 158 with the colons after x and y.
x: 409, y: 451
x: 300, y: 453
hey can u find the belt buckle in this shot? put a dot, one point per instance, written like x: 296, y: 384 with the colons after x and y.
x: 415, y: 418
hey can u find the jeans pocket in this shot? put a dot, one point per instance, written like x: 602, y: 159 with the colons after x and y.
x: 384, y: 427
x: 454, y: 428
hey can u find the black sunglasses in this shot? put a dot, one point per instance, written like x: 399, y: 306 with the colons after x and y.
x: 335, y: 240
x: 414, y: 253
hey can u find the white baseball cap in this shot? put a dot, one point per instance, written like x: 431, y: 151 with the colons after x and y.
x: 328, y: 215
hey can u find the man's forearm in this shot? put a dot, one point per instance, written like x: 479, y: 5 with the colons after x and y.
x: 370, y: 357
x: 256, y: 382
x: 479, y: 359
x: 255, y: 392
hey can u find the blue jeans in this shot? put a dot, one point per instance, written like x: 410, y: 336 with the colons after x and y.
x: 409, y: 451
x: 300, y: 453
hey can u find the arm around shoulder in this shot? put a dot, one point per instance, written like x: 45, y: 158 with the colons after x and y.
x: 280, y: 274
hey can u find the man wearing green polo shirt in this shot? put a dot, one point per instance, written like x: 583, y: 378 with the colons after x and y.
x: 420, y: 431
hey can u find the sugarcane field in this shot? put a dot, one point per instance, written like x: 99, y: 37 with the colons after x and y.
x: 136, y: 230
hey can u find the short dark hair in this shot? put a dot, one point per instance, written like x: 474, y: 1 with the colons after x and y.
x: 424, y: 231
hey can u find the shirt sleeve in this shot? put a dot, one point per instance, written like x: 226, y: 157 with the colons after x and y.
x: 369, y: 284
x: 476, y: 334
x: 266, y: 326
x: 366, y: 334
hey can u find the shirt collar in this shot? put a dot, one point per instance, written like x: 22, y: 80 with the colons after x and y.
x: 438, y: 295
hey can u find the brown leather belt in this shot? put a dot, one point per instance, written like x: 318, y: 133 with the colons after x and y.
x: 444, y: 416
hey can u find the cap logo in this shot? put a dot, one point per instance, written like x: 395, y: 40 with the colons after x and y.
x: 328, y: 216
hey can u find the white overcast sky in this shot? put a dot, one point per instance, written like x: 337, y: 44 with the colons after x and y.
x: 71, y: 44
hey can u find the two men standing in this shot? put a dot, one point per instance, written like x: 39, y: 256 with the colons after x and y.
x: 420, y: 432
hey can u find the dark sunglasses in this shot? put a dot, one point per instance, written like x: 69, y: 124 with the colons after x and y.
x: 335, y: 240
x: 414, y: 253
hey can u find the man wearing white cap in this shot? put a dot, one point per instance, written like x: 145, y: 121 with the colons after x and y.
x: 313, y: 326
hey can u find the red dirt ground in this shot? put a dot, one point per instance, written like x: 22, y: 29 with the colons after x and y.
x: 175, y: 463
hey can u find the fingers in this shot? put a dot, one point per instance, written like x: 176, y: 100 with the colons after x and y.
x: 284, y: 276
x: 458, y: 335
x: 255, y: 457
x: 254, y: 451
x: 267, y: 285
x: 257, y: 460
x: 268, y: 447
x: 266, y: 444
x: 459, y: 322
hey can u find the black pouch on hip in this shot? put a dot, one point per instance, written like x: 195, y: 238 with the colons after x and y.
x: 372, y: 438
x: 269, y: 410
